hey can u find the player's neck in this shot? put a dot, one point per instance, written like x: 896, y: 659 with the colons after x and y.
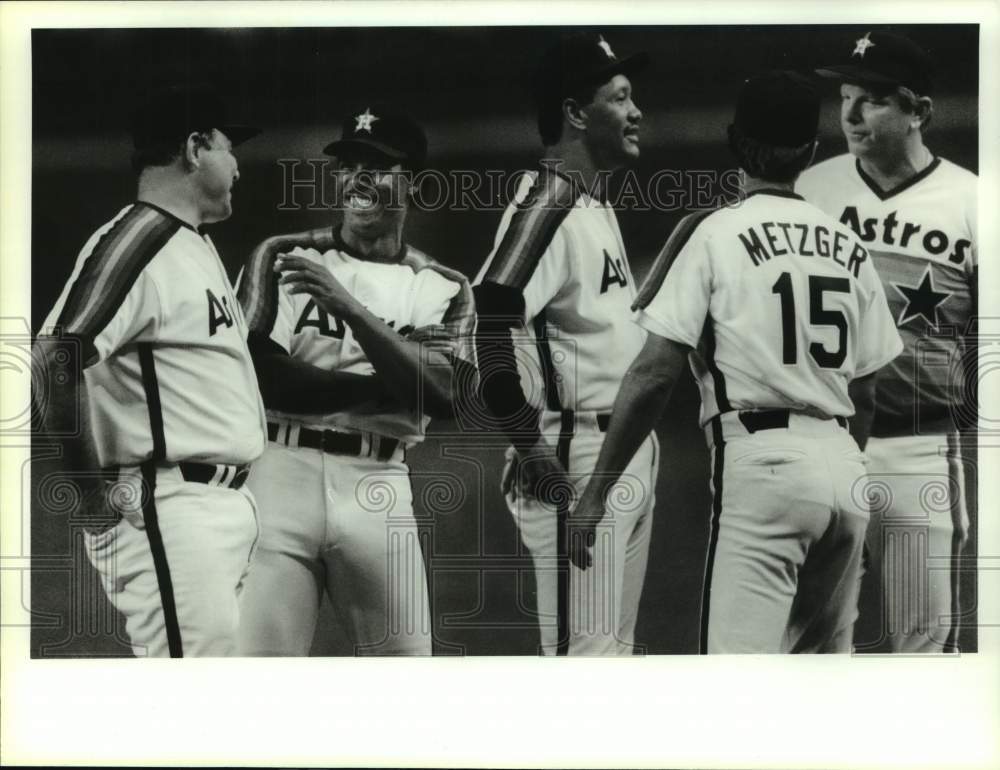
x: 890, y: 171
x: 166, y: 191
x: 381, y: 248
x: 750, y: 184
x: 573, y: 159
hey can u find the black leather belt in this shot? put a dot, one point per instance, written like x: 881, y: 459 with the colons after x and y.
x: 603, y: 418
x: 770, y: 419
x: 336, y: 443
x: 232, y: 476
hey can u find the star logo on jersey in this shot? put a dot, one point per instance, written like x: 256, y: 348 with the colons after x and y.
x: 364, y: 121
x: 606, y: 47
x: 923, y: 300
x: 862, y: 44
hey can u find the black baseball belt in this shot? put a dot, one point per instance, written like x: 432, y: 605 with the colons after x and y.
x: 232, y: 476
x: 337, y: 443
x: 772, y: 419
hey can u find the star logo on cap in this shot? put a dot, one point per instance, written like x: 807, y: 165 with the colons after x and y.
x: 922, y: 300
x: 365, y: 120
x: 606, y: 47
x: 862, y: 44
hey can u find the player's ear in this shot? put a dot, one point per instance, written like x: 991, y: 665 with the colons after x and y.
x: 923, y: 109
x: 573, y: 114
x: 812, y: 154
x: 192, y: 146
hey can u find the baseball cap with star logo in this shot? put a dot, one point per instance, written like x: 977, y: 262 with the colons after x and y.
x: 390, y: 133
x: 578, y: 60
x: 883, y: 59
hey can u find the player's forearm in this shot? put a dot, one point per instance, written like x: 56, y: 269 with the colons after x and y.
x: 294, y: 386
x: 862, y: 393
x: 413, y: 373
x: 500, y: 383
x: 638, y: 407
x: 501, y: 308
x: 64, y: 415
x: 320, y: 238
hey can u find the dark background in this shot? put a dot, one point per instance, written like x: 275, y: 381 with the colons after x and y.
x: 468, y: 87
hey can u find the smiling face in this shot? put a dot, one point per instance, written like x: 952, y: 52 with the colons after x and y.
x: 375, y: 192
x: 612, y: 133
x: 215, y: 176
x: 875, y: 124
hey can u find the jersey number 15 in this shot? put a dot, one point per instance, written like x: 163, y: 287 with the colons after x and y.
x: 818, y: 316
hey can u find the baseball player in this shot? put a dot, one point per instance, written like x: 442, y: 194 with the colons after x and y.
x: 151, y: 344
x: 356, y: 336
x: 916, y: 214
x: 554, y: 297
x: 778, y: 308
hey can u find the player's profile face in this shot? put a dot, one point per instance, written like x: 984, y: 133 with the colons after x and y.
x: 374, y: 190
x: 874, y: 122
x: 613, y: 124
x: 217, y: 173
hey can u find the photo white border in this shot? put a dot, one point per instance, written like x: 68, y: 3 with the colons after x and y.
x: 796, y: 712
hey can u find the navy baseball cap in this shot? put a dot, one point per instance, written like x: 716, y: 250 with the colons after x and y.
x: 581, y: 59
x: 885, y: 60
x: 169, y: 114
x: 778, y: 108
x: 390, y: 133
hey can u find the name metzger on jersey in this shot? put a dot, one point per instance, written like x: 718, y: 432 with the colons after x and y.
x: 783, y: 238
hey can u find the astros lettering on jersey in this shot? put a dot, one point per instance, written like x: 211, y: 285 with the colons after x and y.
x: 561, y: 250
x: 564, y: 251
x: 922, y: 237
x: 408, y: 295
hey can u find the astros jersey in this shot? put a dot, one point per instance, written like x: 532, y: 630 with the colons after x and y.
x: 164, y: 341
x: 412, y: 293
x: 922, y: 238
x: 780, y: 303
x: 563, y: 250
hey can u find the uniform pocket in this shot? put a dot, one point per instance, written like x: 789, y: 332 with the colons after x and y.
x: 768, y: 457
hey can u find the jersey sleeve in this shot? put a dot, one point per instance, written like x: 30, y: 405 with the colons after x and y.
x: 266, y: 305
x: 531, y: 256
x: 674, y: 300
x: 446, y: 300
x: 112, y: 298
x: 137, y: 318
x: 878, y: 339
x: 972, y: 206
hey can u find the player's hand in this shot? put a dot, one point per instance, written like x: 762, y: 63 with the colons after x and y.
x: 536, y: 474
x: 583, y: 523
x: 102, y: 504
x: 303, y: 276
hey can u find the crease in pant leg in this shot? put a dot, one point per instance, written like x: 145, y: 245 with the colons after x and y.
x: 536, y: 526
x: 830, y: 581
x: 826, y: 602
x: 279, y: 601
x: 637, y: 555
x: 376, y: 576
x: 280, y: 626
x: 124, y: 563
x: 764, y: 529
x: 917, y: 583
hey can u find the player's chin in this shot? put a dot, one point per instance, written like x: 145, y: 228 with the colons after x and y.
x: 630, y: 149
x: 365, y: 222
